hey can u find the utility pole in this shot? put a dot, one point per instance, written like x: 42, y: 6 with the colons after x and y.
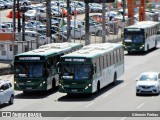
x: 87, y: 40
x: 48, y: 23
x: 14, y: 25
x: 68, y: 21
x: 103, y: 23
x: 19, y: 22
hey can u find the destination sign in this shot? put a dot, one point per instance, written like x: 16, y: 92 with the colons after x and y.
x: 133, y: 29
x: 29, y: 58
x: 75, y: 60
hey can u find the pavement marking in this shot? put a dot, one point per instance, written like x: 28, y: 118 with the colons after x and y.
x: 140, y: 106
x: 89, y: 105
x: 124, y: 85
x: 107, y: 94
x: 66, y: 118
x: 123, y: 118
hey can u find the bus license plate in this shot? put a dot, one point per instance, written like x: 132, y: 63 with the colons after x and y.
x: 29, y: 88
x: 74, y: 90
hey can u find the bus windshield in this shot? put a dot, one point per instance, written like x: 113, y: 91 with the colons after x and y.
x: 32, y: 69
x: 76, y: 72
x: 134, y: 38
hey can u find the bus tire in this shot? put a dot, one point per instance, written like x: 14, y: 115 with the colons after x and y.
x: 98, y: 86
x: 155, y: 44
x: 115, y: 78
x: 53, y: 84
x: 129, y: 52
x: 147, y: 48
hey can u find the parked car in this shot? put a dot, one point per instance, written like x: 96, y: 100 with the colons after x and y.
x: 5, y: 28
x: 148, y: 83
x: 96, y: 28
x: 2, y: 6
x: 59, y: 37
x: 7, y: 4
x: 24, y: 2
x: 6, y: 92
x: 75, y: 32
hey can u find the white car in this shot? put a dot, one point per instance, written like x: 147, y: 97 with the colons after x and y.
x: 6, y: 92
x: 75, y: 32
x: 148, y: 83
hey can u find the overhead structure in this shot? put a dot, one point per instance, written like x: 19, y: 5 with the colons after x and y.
x: 132, y: 4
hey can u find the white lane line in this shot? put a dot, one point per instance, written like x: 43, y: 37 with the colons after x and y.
x: 89, y: 105
x: 124, y: 85
x: 140, y: 106
x: 123, y: 118
x: 66, y: 118
x: 107, y: 94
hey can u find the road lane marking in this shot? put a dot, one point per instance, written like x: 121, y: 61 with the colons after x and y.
x: 123, y: 118
x: 107, y: 94
x: 66, y: 118
x: 124, y: 85
x: 140, y: 106
x: 89, y: 105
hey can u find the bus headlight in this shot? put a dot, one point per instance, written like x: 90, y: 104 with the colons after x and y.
x: 44, y: 82
x: 88, y: 86
x: 142, y: 47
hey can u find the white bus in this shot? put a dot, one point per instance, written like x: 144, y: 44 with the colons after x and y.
x: 141, y: 37
x: 91, y: 68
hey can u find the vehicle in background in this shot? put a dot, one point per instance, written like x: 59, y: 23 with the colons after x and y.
x: 75, y: 32
x: 59, y: 37
x: 7, y: 5
x: 6, y: 92
x: 96, y: 28
x: 91, y: 68
x: 2, y: 6
x: 5, y: 28
x: 24, y: 2
x: 148, y: 83
x: 141, y: 36
x: 36, y: 70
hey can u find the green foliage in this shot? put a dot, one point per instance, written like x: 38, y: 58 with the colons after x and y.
x: 149, y: 6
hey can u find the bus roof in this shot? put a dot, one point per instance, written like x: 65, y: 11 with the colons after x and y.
x: 52, y: 48
x: 94, y: 50
x: 143, y: 24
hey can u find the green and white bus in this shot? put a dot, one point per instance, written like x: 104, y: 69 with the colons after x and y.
x: 36, y: 70
x: 91, y: 68
x: 141, y: 36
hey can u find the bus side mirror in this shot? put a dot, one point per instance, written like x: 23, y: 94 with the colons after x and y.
x: 57, y: 68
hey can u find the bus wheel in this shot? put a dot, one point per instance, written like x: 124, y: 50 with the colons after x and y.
x: 129, y: 52
x: 155, y: 44
x: 98, y: 86
x: 147, y: 48
x: 53, y: 84
x: 115, y: 79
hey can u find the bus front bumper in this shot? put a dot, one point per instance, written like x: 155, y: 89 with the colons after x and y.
x: 75, y: 90
x: 133, y: 48
x: 30, y: 87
